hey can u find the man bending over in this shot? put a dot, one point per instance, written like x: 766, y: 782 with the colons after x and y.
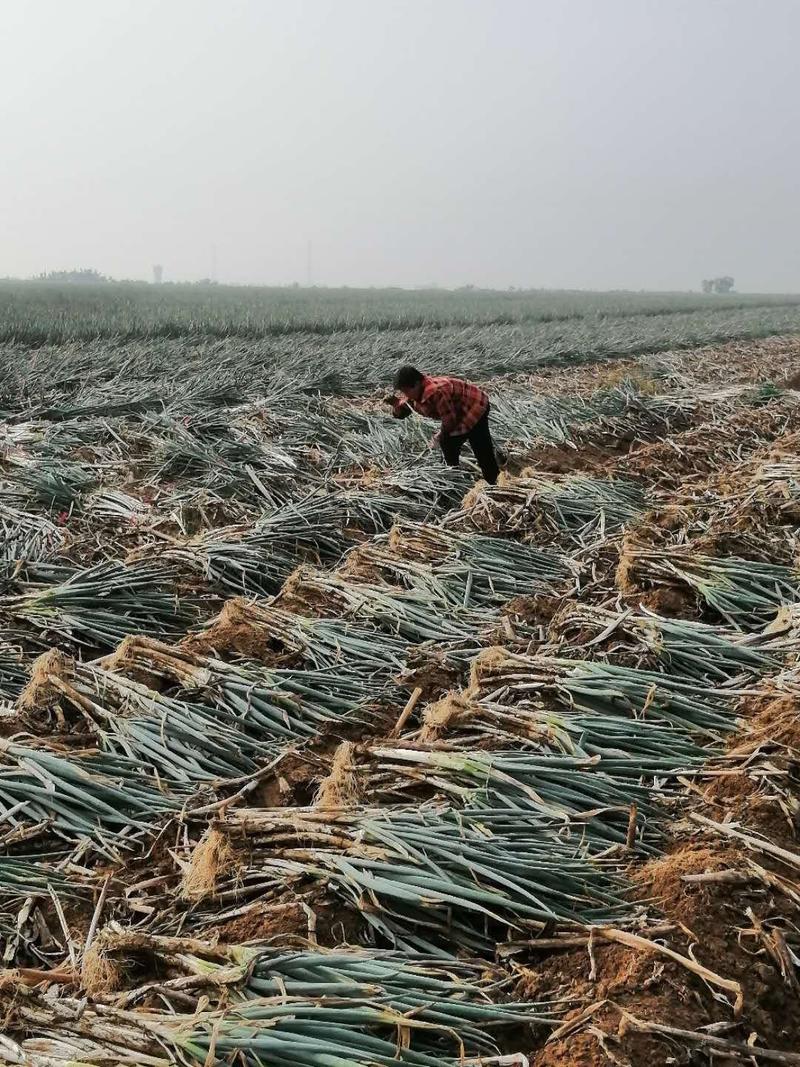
x: 463, y: 409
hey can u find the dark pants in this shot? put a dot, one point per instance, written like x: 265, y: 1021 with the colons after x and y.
x: 480, y: 439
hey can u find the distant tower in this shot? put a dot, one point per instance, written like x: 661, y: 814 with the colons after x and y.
x: 158, y: 274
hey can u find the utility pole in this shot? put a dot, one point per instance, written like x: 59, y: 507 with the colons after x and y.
x: 308, y: 265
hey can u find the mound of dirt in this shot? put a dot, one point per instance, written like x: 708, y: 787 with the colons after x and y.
x: 667, y: 600
x: 265, y: 922
x: 589, y: 458
x: 431, y: 671
x: 238, y: 631
x: 712, y: 926
x: 537, y: 610
x: 770, y: 720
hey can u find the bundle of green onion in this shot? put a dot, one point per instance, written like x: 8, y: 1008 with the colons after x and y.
x: 568, y: 686
x: 532, y: 420
x: 571, y: 508
x: 780, y: 478
x: 30, y: 882
x: 115, y: 504
x: 250, y: 700
x: 432, y: 485
x: 353, y: 1031
x: 229, y: 465
x: 426, y: 878
x: 373, y: 509
x: 294, y: 704
x: 310, y: 1008
x: 626, y: 746
x: 35, y: 875
x: 682, y: 647
x: 25, y: 537
x: 406, y: 613
x: 257, y: 561
x: 331, y: 644
x: 591, y: 804
x: 361, y: 439
x: 13, y: 673
x: 480, y: 570
x: 53, y: 483
x: 744, y: 592
x: 100, y: 605
x: 377, y: 561
x: 100, y: 797
x: 169, y: 740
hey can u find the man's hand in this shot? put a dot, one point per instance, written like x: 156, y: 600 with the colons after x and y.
x: 435, y: 439
x: 401, y: 408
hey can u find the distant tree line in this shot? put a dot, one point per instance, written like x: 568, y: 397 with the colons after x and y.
x: 718, y: 285
x: 85, y: 276
x: 89, y: 276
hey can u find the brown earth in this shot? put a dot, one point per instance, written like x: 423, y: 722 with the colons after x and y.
x: 711, y: 926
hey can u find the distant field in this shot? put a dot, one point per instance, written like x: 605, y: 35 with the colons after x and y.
x: 137, y: 347
x: 39, y: 313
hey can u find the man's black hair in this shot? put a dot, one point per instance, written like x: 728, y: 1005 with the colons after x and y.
x: 407, y: 376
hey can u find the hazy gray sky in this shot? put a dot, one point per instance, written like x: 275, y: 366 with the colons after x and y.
x: 576, y: 143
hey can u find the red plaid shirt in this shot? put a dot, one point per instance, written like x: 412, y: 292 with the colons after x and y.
x: 458, y: 404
